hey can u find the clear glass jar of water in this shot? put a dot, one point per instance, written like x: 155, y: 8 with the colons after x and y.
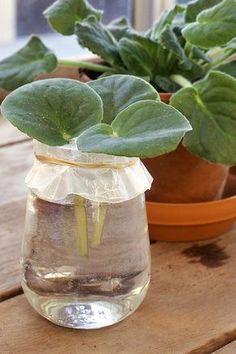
x: 85, y: 264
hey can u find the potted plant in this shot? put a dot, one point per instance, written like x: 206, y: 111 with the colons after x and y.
x: 188, y: 53
x: 86, y: 260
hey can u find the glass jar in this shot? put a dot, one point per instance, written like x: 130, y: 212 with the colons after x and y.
x: 86, y: 264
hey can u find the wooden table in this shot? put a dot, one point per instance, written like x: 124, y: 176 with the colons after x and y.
x: 190, y: 308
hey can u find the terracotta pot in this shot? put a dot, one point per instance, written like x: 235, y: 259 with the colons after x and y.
x: 185, y: 187
x: 233, y: 170
x: 190, y: 222
x: 165, y: 97
x: 180, y: 177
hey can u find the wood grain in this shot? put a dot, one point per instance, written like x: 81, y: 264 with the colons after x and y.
x: 15, y: 161
x: 190, y: 308
x: 10, y: 135
x: 228, y: 349
x: 11, y: 231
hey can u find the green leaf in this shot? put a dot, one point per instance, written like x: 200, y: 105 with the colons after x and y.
x: 63, y: 14
x: 228, y: 68
x: 26, y: 64
x: 199, y: 55
x: 210, y: 107
x: 222, y: 55
x: 231, y: 45
x: 166, y: 18
x: 170, y: 41
x: 120, y: 91
x: 120, y: 22
x: 166, y: 84
x: 155, y: 53
x: 194, y: 8
x: 230, y: 48
x: 196, y: 72
x: 136, y: 58
x: 144, y: 129
x: 119, y: 27
x: 99, y: 40
x: 149, y: 45
x: 213, y: 27
x: 53, y: 111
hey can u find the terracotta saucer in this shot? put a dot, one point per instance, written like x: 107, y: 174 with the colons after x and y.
x: 190, y: 222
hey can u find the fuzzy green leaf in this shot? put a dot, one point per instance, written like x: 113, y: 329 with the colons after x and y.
x: 63, y: 14
x: 210, y: 106
x: 148, y: 44
x: 228, y: 68
x: 99, y: 40
x: 195, y: 7
x: 170, y: 41
x: 136, y: 58
x: 230, y: 47
x: 199, y: 55
x: 196, y: 72
x: 213, y: 27
x: 53, y: 111
x: 165, y: 84
x: 166, y: 18
x: 120, y: 91
x: 144, y: 129
x: 119, y: 27
x: 26, y: 64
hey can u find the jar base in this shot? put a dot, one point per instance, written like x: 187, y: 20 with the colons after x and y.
x: 77, y: 313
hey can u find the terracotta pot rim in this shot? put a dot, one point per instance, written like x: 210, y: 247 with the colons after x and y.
x: 192, y: 213
x: 166, y: 94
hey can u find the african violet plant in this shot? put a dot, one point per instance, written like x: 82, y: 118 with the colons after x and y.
x: 188, y: 50
x: 118, y: 115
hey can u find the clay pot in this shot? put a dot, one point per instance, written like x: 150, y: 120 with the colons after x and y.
x: 184, y: 203
x: 233, y: 170
x: 180, y: 177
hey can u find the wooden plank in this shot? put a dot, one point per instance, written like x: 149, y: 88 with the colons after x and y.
x: 11, y: 231
x: 9, y: 134
x: 228, y: 349
x: 190, y: 309
x: 15, y: 162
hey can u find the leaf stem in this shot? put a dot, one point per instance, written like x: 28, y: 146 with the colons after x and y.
x: 180, y: 80
x: 85, y: 65
x: 188, y: 49
x: 81, y: 225
x: 99, y: 224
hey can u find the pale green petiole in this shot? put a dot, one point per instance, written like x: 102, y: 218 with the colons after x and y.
x: 85, y: 65
x: 180, y: 80
x: 99, y: 224
x: 81, y: 225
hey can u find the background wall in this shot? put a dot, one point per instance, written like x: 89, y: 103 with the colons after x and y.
x: 29, y: 13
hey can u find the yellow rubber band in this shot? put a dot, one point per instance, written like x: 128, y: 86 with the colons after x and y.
x: 57, y: 161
